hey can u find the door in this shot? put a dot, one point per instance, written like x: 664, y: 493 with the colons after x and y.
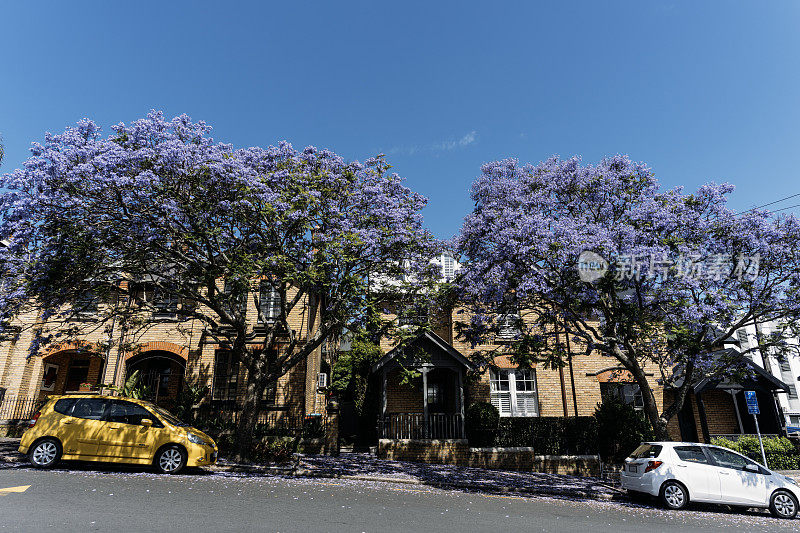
x: 736, y: 484
x: 124, y: 436
x: 78, y: 430
x: 698, y: 473
x: 686, y: 422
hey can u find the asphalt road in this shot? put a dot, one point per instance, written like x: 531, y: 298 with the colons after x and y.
x: 92, y: 498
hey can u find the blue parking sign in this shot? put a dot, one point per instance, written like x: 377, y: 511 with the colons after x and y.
x: 752, y: 402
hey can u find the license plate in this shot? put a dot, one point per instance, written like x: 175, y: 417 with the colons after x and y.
x: 633, y: 468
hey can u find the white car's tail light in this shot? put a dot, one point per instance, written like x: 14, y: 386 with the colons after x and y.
x: 652, y: 465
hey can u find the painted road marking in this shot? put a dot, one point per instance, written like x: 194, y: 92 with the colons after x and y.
x: 9, y: 490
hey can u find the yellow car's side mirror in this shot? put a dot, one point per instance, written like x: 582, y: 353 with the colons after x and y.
x: 146, y: 422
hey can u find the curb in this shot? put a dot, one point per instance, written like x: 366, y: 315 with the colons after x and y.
x: 253, y: 469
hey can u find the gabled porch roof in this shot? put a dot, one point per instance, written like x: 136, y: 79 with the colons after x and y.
x: 427, y: 350
x: 762, y: 380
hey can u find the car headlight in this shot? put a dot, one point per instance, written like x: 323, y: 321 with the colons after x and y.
x: 195, y: 438
x: 791, y: 480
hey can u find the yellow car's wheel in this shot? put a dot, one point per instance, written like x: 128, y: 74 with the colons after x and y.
x: 170, y: 459
x: 45, y: 453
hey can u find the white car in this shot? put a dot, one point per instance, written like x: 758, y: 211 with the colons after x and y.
x: 679, y: 472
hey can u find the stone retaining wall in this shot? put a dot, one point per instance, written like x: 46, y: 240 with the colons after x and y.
x: 458, y: 452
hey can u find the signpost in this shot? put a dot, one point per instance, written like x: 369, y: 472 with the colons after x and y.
x: 752, y: 408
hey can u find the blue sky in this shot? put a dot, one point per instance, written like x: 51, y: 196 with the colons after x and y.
x: 699, y: 90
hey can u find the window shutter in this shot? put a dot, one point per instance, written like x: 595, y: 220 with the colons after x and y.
x: 742, y: 337
x: 526, y: 404
x: 502, y: 401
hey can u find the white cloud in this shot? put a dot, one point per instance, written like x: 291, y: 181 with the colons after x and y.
x: 442, y: 146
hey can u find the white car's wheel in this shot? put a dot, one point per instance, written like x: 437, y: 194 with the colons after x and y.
x: 170, y: 460
x: 783, y: 504
x: 674, y: 495
x: 45, y: 453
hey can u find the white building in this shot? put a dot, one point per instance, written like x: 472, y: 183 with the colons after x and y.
x: 782, y: 364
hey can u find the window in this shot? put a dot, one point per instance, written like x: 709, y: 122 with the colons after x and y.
x: 792, y: 392
x: 89, y: 408
x: 448, y: 267
x: 513, y: 392
x: 78, y: 373
x: 646, y: 451
x: 727, y: 459
x: 269, y: 302
x: 508, y: 327
x: 741, y: 335
x: 785, y: 368
x: 238, y: 301
x: 123, y: 412
x: 691, y: 454
x: 64, y: 406
x: 629, y: 393
x: 226, y: 376
x: 413, y: 315
x: 794, y: 420
x: 165, y: 303
x: 434, y: 394
x: 87, y: 304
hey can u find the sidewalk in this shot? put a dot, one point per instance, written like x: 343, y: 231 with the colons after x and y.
x: 8, y: 451
x: 365, y: 467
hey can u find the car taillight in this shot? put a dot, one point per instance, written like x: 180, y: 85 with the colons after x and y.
x: 34, y: 419
x: 652, y: 465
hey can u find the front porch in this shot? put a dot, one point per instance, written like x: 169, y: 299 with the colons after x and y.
x: 429, y: 405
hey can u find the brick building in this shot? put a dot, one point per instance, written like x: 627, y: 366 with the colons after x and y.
x: 169, y: 352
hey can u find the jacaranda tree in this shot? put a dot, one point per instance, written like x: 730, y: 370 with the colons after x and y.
x: 158, y: 207
x: 656, y: 279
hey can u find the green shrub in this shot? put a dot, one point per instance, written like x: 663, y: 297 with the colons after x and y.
x: 480, y: 424
x: 549, y: 435
x: 620, y: 429
x: 272, y: 450
x: 781, y: 452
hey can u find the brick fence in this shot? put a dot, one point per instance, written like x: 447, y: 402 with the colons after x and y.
x: 458, y: 452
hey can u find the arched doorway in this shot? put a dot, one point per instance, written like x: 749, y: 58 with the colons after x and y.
x: 161, y: 374
x: 70, y: 369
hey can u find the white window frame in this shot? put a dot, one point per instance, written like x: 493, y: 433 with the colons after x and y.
x: 269, y: 301
x: 521, y: 403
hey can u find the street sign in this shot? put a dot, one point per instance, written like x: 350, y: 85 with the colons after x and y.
x: 752, y: 408
x: 752, y: 402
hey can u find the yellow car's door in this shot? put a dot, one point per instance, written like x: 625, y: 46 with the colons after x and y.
x: 78, y: 430
x: 125, y: 437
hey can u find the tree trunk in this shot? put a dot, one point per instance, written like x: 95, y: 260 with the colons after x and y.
x: 243, y: 437
x: 657, y: 422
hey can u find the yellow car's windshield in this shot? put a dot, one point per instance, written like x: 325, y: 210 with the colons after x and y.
x: 166, y: 415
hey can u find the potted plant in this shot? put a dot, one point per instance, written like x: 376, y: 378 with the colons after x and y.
x: 85, y: 387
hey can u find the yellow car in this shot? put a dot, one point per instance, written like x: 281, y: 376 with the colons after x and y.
x: 90, y: 427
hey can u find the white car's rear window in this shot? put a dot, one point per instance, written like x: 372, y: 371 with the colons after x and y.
x: 646, y: 451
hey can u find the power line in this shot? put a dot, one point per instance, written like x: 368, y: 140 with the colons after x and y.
x: 785, y: 208
x: 771, y: 203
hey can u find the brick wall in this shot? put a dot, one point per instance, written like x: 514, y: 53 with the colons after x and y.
x: 402, y: 398
x: 458, y: 452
